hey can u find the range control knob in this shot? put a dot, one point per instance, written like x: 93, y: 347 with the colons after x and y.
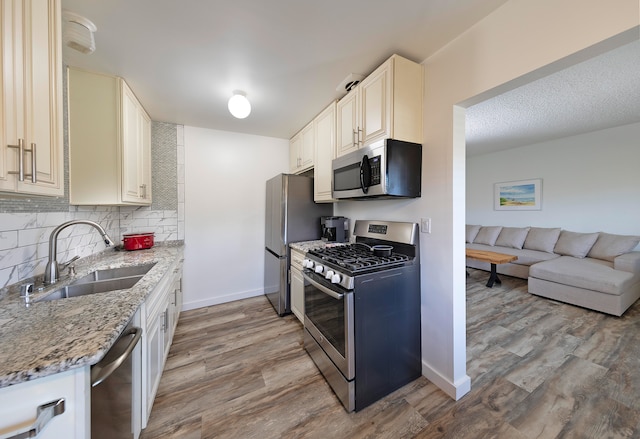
x: 319, y: 268
x: 329, y: 274
x: 335, y: 279
x: 306, y: 263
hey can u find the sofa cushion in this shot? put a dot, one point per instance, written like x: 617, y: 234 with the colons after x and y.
x: 575, y: 244
x: 609, y: 246
x: 541, y: 239
x: 487, y: 235
x: 588, y: 273
x: 512, y: 237
x: 472, y: 231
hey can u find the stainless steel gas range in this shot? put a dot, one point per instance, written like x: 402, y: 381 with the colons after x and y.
x: 362, y: 312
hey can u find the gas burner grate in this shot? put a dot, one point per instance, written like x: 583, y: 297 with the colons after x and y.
x: 356, y: 259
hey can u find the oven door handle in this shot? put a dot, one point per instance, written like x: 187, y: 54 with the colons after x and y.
x: 324, y: 289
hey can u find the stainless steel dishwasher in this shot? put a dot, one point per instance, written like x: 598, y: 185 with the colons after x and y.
x: 113, y: 395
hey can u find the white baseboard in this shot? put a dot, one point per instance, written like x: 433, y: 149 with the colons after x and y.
x: 455, y: 390
x: 210, y: 301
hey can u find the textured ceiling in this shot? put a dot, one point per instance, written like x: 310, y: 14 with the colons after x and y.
x: 599, y: 93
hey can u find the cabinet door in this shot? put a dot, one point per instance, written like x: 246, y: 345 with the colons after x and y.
x: 325, y: 136
x: 347, y: 123
x: 308, y: 147
x: 144, y: 124
x: 375, y: 103
x: 297, y: 293
x: 20, y: 402
x: 130, y: 146
x: 32, y: 96
x: 295, y: 146
x: 12, y: 91
x: 155, y: 357
x: 176, y: 301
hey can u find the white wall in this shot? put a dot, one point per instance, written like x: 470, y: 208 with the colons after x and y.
x: 590, y: 182
x: 225, y: 175
x: 517, y: 43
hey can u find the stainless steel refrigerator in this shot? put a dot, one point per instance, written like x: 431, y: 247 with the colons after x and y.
x: 291, y: 216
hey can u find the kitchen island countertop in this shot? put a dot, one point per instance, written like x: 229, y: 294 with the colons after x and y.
x: 50, y: 337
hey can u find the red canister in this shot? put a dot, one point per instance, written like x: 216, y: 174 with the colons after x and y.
x: 137, y: 241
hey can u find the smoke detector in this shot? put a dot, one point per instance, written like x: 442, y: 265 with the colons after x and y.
x: 349, y: 82
x: 78, y: 32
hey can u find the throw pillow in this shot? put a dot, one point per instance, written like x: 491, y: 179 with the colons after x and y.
x: 487, y: 235
x: 512, y: 237
x: 541, y: 239
x: 575, y: 244
x: 608, y: 246
x: 472, y: 231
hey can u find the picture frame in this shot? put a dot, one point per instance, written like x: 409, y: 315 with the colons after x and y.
x: 518, y: 195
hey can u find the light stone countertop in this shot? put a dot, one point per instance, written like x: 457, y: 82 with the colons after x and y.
x: 50, y: 337
x: 306, y: 246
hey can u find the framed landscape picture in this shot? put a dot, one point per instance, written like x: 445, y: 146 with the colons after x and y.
x: 518, y: 195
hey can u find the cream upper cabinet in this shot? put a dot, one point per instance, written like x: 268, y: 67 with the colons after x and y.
x: 31, y: 153
x: 136, y: 146
x: 347, y: 123
x: 386, y: 104
x: 324, y: 126
x: 109, y: 142
x: 301, y: 150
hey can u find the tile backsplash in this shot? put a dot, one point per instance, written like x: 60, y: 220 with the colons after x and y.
x: 24, y: 236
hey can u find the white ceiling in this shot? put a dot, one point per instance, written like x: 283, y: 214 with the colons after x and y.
x: 184, y: 58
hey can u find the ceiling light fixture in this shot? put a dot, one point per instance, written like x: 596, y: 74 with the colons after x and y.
x: 239, y: 105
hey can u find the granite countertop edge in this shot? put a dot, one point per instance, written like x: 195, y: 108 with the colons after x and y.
x: 46, y: 338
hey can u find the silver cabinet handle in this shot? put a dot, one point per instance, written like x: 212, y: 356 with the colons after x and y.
x: 99, y: 374
x: 34, y: 172
x: 143, y: 191
x: 20, y: 171
x: 353, y: 138
x: 359, y: 136
x: 20, y: 148
x: 44, y: 414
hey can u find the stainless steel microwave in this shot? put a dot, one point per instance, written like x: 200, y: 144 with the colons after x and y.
x: 385, y: 169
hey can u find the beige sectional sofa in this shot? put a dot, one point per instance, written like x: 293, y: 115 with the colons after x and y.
x: 599, y: 271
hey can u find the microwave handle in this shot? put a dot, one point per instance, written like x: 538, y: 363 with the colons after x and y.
x: 365, y: 174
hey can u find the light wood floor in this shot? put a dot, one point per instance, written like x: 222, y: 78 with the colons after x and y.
x: 538, y: 368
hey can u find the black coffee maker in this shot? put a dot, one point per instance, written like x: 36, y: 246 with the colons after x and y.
x: 335, y: 228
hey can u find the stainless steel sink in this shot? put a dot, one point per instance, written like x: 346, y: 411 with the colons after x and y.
x: 114, y: 273
x: 91, y: 288
x: 100, y: 281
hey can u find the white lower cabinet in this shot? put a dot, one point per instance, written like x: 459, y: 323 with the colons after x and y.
x: 20, y: 404
x: 297, y: 284
x: 158, y: 317
x: 161, y: 311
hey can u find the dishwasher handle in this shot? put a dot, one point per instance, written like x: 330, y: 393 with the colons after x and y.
x: 99, y: 374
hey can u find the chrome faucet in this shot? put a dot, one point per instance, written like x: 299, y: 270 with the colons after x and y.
x: 51, y: 272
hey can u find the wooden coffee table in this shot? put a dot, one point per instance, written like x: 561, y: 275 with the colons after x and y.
x: 493, y: 258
